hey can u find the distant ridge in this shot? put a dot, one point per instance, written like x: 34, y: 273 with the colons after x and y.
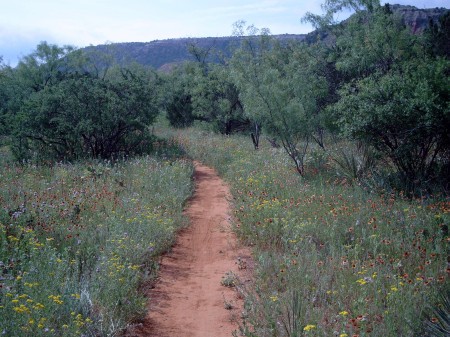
x: 161, y: 54
x: 418, y: 19
x: 165, y: 54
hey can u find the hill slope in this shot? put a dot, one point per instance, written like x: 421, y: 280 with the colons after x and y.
x: 162, y: 54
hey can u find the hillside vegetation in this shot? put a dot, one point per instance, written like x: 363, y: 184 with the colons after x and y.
x: 336, y: 146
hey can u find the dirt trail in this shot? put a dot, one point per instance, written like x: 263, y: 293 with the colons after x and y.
x: 188, y: 300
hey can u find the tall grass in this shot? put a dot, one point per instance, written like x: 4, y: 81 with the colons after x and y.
x: 77, y: 242
x: 333, y: 258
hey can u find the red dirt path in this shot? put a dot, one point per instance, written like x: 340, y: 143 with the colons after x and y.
x: 188, y: 300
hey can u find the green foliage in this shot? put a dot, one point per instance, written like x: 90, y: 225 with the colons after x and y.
x: 333, y: 7
x: 437, y: 36
x: 393, y: 92
x: 177, y: 99
x: 215, y: 98
x: 281, y: 87
x: 374, y: 42
x: 179, y: 110
x: 45, y: 66
x: 3, y: 99
x: 88, y: 117
x: 437, y: 317
x: 204, y: 92
x: 404, y: 114
x: 355, y: 163
x: 60, y: 108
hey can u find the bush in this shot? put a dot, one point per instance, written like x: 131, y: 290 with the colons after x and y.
x: 85, y: 116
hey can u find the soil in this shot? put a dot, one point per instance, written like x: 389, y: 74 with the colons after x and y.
x: 189, y: 299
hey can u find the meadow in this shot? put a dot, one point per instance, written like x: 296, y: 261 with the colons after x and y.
x: 333, y: 257
x: 78, y: 242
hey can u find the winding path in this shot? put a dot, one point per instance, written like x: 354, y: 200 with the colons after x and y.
x: 189, y: 300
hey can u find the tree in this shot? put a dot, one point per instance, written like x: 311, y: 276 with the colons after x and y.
x: 216, y: 99
x: 332, y: 7
x: 394, y: 94
x: 84, y: 116
x: 205, y: 91
x: 59, y: 109
x: 46, y: 65
x: 437, y: 36
x: 280, y: 87
x: 177, y: 98
x: 374, y: 42
x: 404, y: 114
x: 3, y: 100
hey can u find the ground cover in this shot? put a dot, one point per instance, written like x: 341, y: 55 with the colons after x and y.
x: 333, y: 258
x: 77, y: 241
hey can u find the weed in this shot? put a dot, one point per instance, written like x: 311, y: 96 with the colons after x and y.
x: 228, y: 280
x: 437, y: 317
x: 228, y: 305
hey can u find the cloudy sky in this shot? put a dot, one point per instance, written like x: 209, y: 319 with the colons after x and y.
x: 25, y: 23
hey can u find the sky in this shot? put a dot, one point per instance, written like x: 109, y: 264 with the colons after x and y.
x: 25, y: 23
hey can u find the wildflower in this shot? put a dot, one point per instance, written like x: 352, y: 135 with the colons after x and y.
x: 309, y: 327
x: 38, y: 306
x: 343, y: 313
x: 361, y: 281
x: 274, y: 298
x: 343, y: 335
x: 361, y: 318
x: 56, y: 299
x: 21, y: 309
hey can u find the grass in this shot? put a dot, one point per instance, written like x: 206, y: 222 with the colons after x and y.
x: 78, y: 241
x: 333, y: 257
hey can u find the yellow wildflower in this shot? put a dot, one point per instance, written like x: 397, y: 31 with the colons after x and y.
x: 309, y: 327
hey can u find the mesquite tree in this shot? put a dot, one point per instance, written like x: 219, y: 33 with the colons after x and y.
x: 60, y: 111
x: 281, y: 88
